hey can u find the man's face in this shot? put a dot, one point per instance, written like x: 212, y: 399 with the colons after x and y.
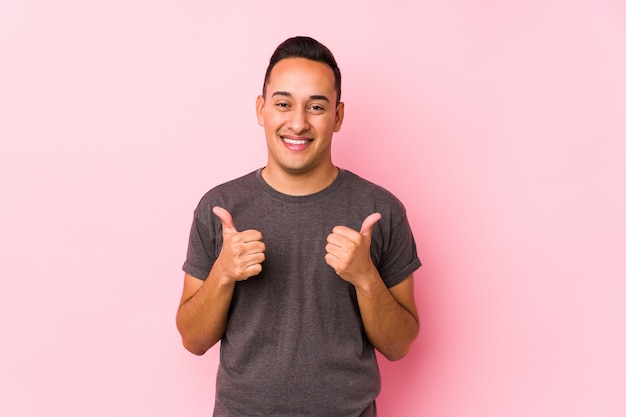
x: 299, y: 115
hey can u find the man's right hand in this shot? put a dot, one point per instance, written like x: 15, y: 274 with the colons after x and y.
x: 242, y: 252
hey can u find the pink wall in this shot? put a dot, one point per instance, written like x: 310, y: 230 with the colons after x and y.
x: 501, y: 125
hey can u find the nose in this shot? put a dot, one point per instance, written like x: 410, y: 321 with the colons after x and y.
x: 298, y: 121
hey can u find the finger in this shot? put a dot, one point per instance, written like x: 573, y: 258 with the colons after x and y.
x: 226, y: 218
x: 342, y: 237
x: 368, y: 224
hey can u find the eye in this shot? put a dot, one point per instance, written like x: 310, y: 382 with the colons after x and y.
x: 316, y: 108
x: 281, y: 105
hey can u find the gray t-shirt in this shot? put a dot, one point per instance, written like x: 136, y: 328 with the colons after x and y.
x: 295, y: 343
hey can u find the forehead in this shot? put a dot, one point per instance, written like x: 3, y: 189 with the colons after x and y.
x: 296, y: 75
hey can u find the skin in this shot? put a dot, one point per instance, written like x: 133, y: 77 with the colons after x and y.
x: 299, y: 105
x: 299, y: 116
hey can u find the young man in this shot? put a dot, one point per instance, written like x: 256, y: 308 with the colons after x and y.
x: 301, y: 269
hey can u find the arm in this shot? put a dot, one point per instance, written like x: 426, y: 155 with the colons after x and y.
x: 203, y: 312
x: 389, y: 314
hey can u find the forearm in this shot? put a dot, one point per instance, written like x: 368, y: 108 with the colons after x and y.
x: 390, y: 326
x: 202, y: 318
x: 203, y: 312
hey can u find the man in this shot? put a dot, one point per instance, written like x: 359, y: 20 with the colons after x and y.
x: 301, y: 269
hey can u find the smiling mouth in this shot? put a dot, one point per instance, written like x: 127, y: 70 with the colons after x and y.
x: 295, y: 141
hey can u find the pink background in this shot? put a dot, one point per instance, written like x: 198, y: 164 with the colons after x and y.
x: 501, y: 125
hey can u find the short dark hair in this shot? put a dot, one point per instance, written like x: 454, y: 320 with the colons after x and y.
x: 307, y: 48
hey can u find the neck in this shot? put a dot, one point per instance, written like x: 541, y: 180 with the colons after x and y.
x: 301, y: 183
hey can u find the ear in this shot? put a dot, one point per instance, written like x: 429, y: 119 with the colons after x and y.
x: 338, y: 116
x: 260, y: 107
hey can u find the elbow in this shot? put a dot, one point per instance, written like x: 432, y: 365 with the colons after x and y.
x: 395, y: 351
x: 194, y: 344
x: 194, y: 348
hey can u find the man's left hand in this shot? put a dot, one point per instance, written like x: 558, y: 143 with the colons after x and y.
x: 348, y: 251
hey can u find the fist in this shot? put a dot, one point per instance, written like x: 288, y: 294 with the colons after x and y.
x: 348, y: 251
x: 242, y: 252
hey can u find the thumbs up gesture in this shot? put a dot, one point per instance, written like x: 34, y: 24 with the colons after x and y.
x: 348, y: 250
x: 242, y: 252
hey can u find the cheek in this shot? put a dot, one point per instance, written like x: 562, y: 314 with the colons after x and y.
x: 329, y: 126
x: 272, y: 120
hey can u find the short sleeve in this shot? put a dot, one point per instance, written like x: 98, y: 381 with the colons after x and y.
x: 399, y: 257
x: 200, y: 250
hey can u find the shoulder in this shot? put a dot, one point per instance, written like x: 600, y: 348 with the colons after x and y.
x: 233, y: 188
x: 227, y: 195
x: 366, y: 190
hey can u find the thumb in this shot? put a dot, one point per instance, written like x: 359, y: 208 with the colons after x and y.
x: 368, y: 224
x: 227, y: 220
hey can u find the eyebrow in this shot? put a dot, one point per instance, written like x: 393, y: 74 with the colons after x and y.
x: 313, y: 97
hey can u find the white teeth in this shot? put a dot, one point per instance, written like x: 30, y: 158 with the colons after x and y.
x: 295, y: 142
